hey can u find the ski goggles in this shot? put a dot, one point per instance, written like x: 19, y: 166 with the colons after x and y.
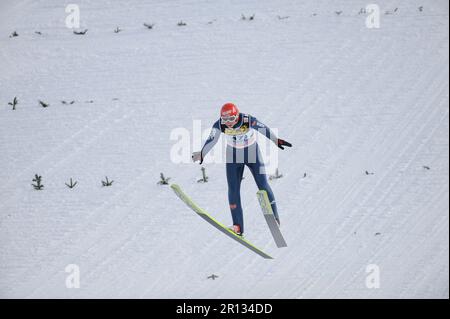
x: 231, y: 118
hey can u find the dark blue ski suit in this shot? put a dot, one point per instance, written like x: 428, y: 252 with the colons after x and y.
x: 242, y: 150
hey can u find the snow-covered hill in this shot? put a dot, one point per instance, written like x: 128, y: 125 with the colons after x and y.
x: 365, y: 108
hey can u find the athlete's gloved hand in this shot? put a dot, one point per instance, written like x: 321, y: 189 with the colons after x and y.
x: 197, y: 156
x: 282, y: 143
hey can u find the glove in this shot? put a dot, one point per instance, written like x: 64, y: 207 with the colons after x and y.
x: 282, y: 143
x: 197, y: 156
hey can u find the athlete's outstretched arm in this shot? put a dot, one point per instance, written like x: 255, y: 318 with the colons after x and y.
x: 267, y: 132
x: 209, y: 143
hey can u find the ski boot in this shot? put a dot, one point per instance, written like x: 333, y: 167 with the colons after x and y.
x: 236, y: 229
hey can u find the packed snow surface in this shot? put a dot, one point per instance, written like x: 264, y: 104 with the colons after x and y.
x: 364, y: 197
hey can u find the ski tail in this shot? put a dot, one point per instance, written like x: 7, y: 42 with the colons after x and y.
x: 274, y: 228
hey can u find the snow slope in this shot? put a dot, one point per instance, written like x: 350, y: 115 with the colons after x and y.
x: 350, y: 99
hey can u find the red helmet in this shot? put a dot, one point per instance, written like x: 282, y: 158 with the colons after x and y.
x: 229, y: 113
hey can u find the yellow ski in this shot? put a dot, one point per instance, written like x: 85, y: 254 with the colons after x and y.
x: 203, y: 214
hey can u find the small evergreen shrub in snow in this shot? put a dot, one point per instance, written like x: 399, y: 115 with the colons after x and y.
x: 391, y: 12
x: 164, y: 180
x: 71, y: 184
x: 149, y: 25
x: 14, y: 34
x: 80, y: 32
x: 276, y: 175
x: 117, y: 30
x: 252, y: 17
x: 14, y: 103
x: 43, y: 104
x: 38, y: 182
x: 204, y: 178
x: 181, y: 24
x: 107, y: 182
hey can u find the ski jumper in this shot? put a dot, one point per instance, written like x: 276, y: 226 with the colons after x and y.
x: 242, y: 150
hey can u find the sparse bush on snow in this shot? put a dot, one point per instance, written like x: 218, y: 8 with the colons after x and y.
x: 204, y: 178
x: 71, y: 183
x: 14, y: 103
x: 107, y: 182
x: 164, y: 180
x: 38, y: 182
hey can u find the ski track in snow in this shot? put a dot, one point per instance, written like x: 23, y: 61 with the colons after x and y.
x: 349, y: 98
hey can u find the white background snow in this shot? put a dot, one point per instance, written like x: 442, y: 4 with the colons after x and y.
x: 349, y: 98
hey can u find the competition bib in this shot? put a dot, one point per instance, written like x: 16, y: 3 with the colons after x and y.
x: 240, y: 137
